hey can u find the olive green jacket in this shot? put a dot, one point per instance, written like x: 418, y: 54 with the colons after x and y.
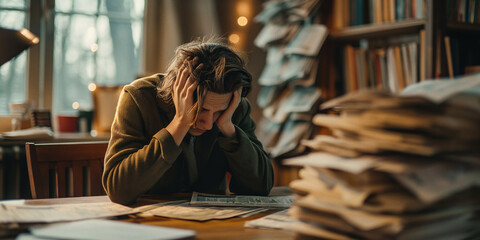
x: 142, y: 156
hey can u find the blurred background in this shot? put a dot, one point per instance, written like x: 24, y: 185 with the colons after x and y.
x: 90, y: 43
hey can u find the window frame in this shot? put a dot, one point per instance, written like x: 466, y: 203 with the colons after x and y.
x: 40, y: 20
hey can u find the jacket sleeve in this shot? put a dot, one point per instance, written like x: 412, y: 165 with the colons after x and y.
x: 133, y: 163
x: 248, y: 162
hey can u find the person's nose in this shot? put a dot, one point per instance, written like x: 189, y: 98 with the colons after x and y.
x: 206, y: 121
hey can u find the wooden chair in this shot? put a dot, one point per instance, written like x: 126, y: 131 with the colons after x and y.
x: 70, y: 169
x: 105, y: 100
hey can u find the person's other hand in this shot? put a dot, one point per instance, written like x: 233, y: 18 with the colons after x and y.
x: 224, y: 122
x: 184, y: 87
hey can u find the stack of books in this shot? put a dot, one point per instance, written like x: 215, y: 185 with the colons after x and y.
x: 401, y: 166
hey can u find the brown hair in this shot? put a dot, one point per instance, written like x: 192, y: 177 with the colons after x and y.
x: 224, y: 70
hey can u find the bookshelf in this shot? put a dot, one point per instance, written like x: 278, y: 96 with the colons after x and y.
x: 377, y: 30
x: 427, y: 30
x: 418, y: 34
x: 464, y: 27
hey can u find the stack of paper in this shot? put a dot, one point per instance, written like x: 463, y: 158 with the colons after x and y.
x: 293, y: 41
x: 397, y: 166
x: 29, y: 133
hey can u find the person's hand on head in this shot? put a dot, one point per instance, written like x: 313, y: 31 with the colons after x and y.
x: 224, y: 122
x: 183, y: 89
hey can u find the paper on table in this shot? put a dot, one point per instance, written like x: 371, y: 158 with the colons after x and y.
x: 440, y: 180
x: 29, y: 133
x: 203, y: 199
x: 105, y: 229
x: 317, y: 231
x: 362, y: 220
x: 439, y: 91
x: 14, y: 213
x: 320, y: 159
x: 278, y: 220
x: 185, y: 211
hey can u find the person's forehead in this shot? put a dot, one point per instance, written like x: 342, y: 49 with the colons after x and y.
x: 217, y: 101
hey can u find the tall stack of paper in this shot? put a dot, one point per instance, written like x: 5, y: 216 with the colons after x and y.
x: 288, y: 95
x: 397, y: 166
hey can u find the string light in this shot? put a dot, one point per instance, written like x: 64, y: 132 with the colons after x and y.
x: 75, y: 105
x: 234, y: 38
x: 243, y: 8
x: 242, y: 21
x: 92, y: 87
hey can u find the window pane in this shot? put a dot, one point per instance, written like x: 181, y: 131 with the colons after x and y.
x: 73, y: 61
x: 64, y: 6
x: 13, y: 3
x: 12, y: 73
x: 79, y: 6
x: 103, y: 49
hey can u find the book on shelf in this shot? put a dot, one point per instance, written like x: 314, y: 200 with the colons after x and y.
x: 359, y: 12
x: 389, y: 68
x: 463, y: 11
x: 448, y: 51
x: 422, y: 55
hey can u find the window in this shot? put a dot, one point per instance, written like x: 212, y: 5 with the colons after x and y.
x: 12, y: 73
x: 94, y: 41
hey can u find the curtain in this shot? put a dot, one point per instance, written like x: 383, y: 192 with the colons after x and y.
x: 170, y: 23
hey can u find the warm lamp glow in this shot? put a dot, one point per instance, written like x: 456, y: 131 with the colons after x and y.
x: 242, y: 21
x: 243, y: 8
x: 234, y: 38
x: 30, y: 36
x: 94, y: 47
x: 75, y: 105
x: 92, y: 87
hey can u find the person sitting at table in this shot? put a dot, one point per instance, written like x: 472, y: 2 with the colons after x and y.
x: 184, y: 130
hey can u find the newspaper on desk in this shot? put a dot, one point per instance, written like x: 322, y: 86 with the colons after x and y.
x: 22, y: 213
x: 204, y: 207
x: 183, y: 210
x: 203, y: 199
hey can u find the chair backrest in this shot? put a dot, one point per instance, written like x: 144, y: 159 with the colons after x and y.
x: 105, y: 99
x: 69, y: 169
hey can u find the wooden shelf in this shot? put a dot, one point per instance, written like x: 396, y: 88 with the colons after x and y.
x: 464, y: 27
x: 378, y: 30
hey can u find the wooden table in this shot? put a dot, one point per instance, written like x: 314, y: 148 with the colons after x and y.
x: 230, y: 229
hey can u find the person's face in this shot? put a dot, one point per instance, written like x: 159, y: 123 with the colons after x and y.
x: 214, y: 105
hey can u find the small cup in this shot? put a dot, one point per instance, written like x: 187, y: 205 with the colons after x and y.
x: 67, y: 123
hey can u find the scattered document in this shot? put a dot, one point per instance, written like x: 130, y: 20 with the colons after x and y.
x: 322, y: 159
x: 29, y: 133
x: 203, y: 199
x: 15, y: 213
x: 105, y: 229
x: 278, y: 220
x: 439, y: 91
x: 186, y: 211
x: 308, y: 41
